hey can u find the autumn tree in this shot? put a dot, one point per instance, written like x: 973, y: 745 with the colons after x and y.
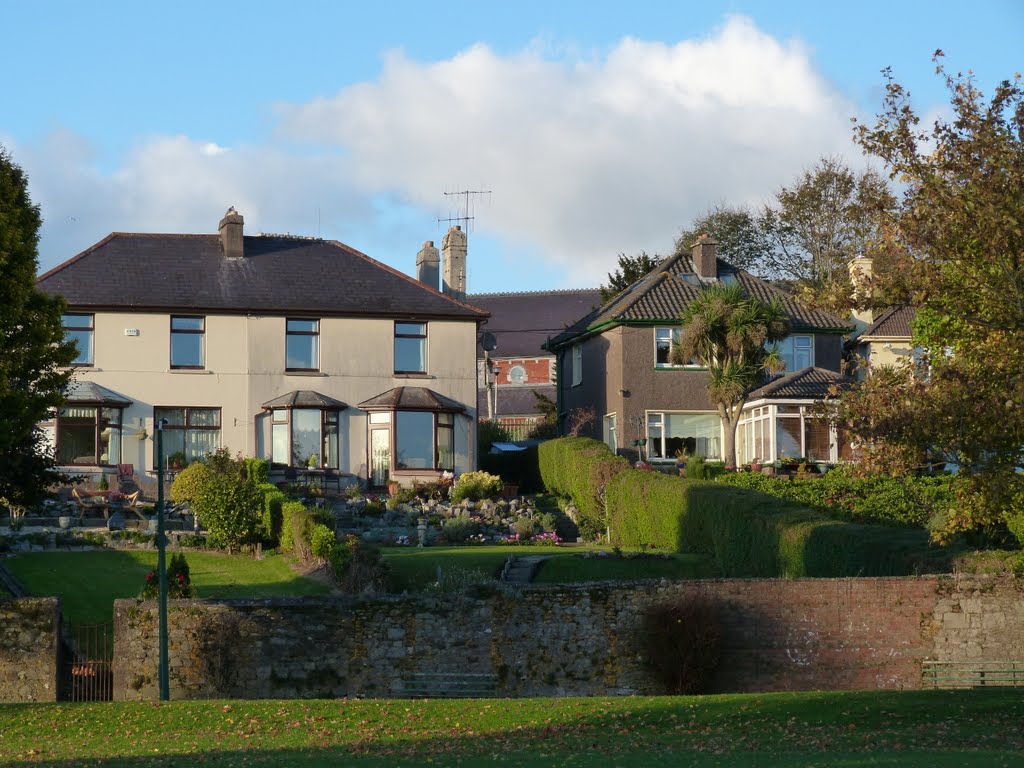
x: 33, y: 354
x: 732, y: 334
x: 738, y: 232
x: 959, y: 223
x: 631, y: 269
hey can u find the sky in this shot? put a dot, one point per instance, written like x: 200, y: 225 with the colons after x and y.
x: 594, y: 128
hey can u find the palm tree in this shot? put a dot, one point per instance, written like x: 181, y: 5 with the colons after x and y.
x: 729, y: 332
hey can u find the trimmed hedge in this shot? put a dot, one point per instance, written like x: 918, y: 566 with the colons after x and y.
x: 580, y: 468
x: 273, y: 501
x: 751, y: 534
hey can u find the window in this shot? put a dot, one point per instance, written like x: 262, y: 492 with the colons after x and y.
x: 577, y: 364
x: 517, y: 374
x: 410, y: 347
x: 664, y: 340
x: 422, y: 440
x: 610, y: 438
x: 88, y: 435
x: 302, y: 345
x: 304, y: 437
x: 797, y: 352
x: 187, y: 334
x: 797, y: 434
x: 80, y: 329
x: 190, y: 432
x: 671, y: 432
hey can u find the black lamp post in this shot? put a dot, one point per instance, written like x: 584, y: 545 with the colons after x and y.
x: 161, y: 562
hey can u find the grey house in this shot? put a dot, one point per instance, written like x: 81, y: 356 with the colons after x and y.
x: 616, y: 360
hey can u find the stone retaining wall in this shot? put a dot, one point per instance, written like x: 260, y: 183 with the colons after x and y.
x: 29, y: 649
x: 797, y: 634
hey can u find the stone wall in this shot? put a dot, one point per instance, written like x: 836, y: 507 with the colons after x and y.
x: 797, y: 634
x: 29, y: 649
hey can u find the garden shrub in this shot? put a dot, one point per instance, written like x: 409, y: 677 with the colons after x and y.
x: 680, y: 640
x: 458, y: 529
x: 518, y: 467
x: 580, y: 468
x: 695, y: 468
x: 489, y: 432
x: 322, y: 543
x: 190, y: 482
x: 231, y: 511
x: 179, y: 581
x: 289, y: 511
x: 524, y: 527
x: 257, y: 470
x: 359, y: 567
x: 273, y: 501
x: 223, y: 463
x: 476, y: 486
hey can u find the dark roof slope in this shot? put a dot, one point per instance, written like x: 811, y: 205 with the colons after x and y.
x: 893, y: 323
x: 277, y: 275
x: 305, y: 398
x: 412, y: 399
x: 516, y: 401
x: 661, y: 294
x: 807, y: 383
x: 522, y: 322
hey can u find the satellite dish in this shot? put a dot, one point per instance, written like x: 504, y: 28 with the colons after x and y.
x: 489, y: 342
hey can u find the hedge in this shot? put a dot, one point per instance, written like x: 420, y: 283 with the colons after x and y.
x: 751, y: 534
x: 580, y: 468
x: 273, y: 501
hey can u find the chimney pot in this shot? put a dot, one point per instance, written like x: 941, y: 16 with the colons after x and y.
x: 705, y: 259
x: 231, y: 234
x: 428, y: 265
x: 454, y: 248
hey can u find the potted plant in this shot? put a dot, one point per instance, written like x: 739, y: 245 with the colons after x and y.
x: 755, y: 464
x: 313, y: 462
x: 176, y: 460
x: 682, y: 456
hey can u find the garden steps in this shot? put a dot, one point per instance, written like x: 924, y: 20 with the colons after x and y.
x: 521, y: 570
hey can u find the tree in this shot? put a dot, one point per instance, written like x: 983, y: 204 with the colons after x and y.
x: 727, y: 330
x: 958, y: 227
x: 740, y: 237
x: 631, y: 269
x: 33, y: 353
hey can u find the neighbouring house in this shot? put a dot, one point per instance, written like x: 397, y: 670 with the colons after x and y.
x: 519, y: 366
x: 301, y: 350
x: 886, y: 341
x: 616, y: 360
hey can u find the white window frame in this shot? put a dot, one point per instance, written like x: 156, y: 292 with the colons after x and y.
x: 657, y: 420
x: 790, y: 342
x: 611, y: 438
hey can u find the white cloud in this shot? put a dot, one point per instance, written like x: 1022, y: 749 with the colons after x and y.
x: 586, y: 155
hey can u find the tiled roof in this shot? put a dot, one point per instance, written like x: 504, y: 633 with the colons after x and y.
x: 305, y: 398
x: 661, y: 295
x: 91, y: 393
x: 277, y: 275
x: 515, y: 401
x: 893, y: 323
x: 805, y: 384
x: 522, y: 322
x: 412, y: 399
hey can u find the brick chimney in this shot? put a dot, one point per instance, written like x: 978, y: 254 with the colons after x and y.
x: 230, y: 229
x: 861, y: 270
x: 705, y: 262
x: 428, y: 264
x: 454, y: 267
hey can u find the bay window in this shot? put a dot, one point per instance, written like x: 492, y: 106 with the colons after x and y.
x: 87, y: 435
x: 305, y: 437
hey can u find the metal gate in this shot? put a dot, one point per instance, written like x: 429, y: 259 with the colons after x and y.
x: 87, y: 666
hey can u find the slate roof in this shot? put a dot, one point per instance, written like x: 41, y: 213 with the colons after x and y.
x: 277, y: 275
x: 305, y: 398
x: 515, y: 401
x: 661, y: 295
x: 412, y: 399
x: 893, y: 323
x: 91, y: 393
x: 523, y: 321
x: 805, y: 384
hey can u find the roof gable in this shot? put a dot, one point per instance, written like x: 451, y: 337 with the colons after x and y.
x: 893, y: 323
x: 277, y: 275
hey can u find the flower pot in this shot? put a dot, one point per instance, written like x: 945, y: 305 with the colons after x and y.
x: 755, y: 466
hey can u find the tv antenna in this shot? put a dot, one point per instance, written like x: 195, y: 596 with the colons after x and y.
x: 467, y: 208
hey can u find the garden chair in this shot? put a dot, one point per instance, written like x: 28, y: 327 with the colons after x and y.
x: 84, y: 502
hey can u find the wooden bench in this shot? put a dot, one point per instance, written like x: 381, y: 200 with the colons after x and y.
x: 448, y: 685
x: 972, y: 674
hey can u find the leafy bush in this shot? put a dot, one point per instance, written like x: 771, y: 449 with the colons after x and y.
x: 458, y: 529
x: 270, y: 525
x: 190, y: 482
x: 695, y: 469
x: 490, y: 432
x: 359, y: 567
x: 231, y: 511
x: 477, y: 486
x: 373, y: 509
x: 296, y: 522
x: 179, y: 581
x: 681, y: 643
x: 322, y: 543
x: 524, y: 527
x: 580, y: 469
x: 403, y: 495
x: 257, y: 470
x: 223, y: 463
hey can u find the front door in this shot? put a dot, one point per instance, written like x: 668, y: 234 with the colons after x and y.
x: 380, y: 457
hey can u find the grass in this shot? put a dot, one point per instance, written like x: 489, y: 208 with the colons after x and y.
x: 89, y: 582
x: 862, y: 728
x: 574, y: 568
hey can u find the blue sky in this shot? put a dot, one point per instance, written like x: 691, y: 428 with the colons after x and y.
x: 598, y: 127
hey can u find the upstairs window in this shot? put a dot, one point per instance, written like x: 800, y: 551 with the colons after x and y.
x: 80, y: 330
x: 410, y: 347
x: 664, y: 340
x: 797, y: 352
x: 302, y: 345
x: 187, y: 342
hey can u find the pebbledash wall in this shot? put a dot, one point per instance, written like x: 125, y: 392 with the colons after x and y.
x: 552, y: 641
x: 29, y: 649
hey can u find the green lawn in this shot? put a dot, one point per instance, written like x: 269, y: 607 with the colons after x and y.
x: 89, y: 582
x: 852, y: 729
x: 571, y: 568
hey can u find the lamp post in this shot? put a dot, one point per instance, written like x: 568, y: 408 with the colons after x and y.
x: 161, y: 562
